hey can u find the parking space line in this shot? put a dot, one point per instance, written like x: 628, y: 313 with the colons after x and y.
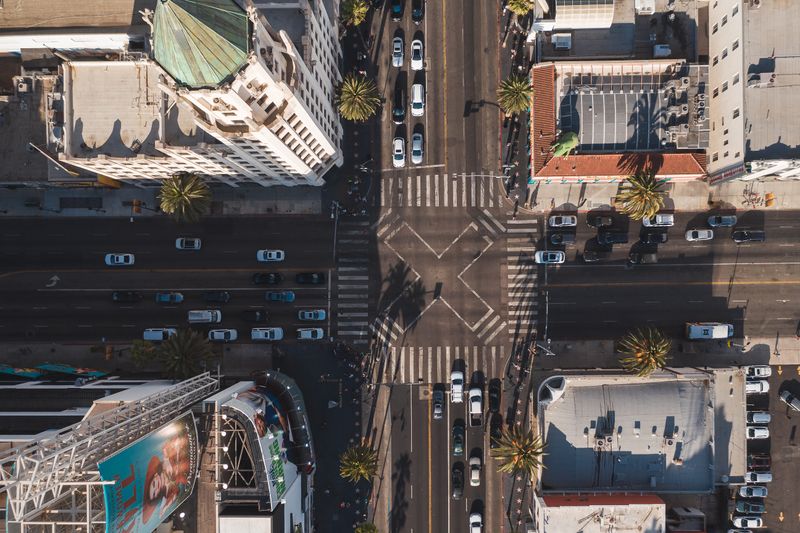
x: 436, y: 190
x: 427, y: 190
x: 444, y: 190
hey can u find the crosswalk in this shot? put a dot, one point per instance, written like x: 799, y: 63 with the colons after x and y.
x: 441, y: 190
x: 522, y: 272
x: 432, y: 364
x: 351, y: 287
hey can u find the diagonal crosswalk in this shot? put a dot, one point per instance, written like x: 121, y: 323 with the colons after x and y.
x: 521, y: 278
x: 441, y: 190
x: 432, y: 364
x: 352, y: 281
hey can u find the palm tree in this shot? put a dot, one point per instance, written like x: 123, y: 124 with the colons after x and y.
x: 519, y: 8
x: 514, y: 94
x: 565, y: 144
x: 185, y: 196
x: 642, y: 196
x: 358, y: 462
x: 358, y: 97
x: 644, y: 351
x: 353, y: 12
x: 519, y: 452
x: 366, y: 527
x: 183, y: 353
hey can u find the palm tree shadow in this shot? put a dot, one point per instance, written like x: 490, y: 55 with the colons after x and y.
x: 401, y: 298
x: 400, y: 476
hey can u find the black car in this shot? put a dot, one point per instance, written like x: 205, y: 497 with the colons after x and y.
x: 417, y: 10
x: 654, y: 237
x: 495, y: 430
x: 612, y: 237
x: 254, y: 315
x: 458, y: 439
x: 310, y: 278
x: 748, y: 235
x: 495, y: 392
x: 267, y: 278
x: 399, y: 108
x: 220, y: 297
x: 397, y: 10
x: 562, y: 238
x: 127, y: 297
x: 457, y: 481
x: 599, y: 221
x: 594, y: 256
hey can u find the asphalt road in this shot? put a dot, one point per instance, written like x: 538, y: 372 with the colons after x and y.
x: 753, y: 286
x: 55, y: 286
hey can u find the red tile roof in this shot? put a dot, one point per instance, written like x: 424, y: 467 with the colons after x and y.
x: 543, y: 114
x: 687, y: 165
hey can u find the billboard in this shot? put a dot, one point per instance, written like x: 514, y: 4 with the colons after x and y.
x: 59, y: 368
x: 24, y: 373
x: 152, y: 477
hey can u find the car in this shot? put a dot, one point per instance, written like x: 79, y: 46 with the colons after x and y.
x: 642, y: 258
x: 474, y: 471
x: 267, y: 278
x: 310, y: 278
x: 169, y: 297
x: 398, y: 152
x: 551, y: 257
x: 458, y: 439
x: 562, y: 221
x: 158, y: 334
x: 254, y: 315
x: 417, y: 10
x: 748, y: 521
x: 757, y: 432
x: 310, y: 334
x: 187, y: 243
x: 457, y: 481
x: 204, y: 316
x: 653, y: 237
x: 759, y: 386
x: 456, y: 386
x: 753, y: 491
x: 313, y: 314
x: 223, y: 335
x: 757, y: 477
x: 270, y: 256
x: 708, y: 330
x: 475, y: 523
x: 758, y: 417
x: 495, y: 392
x: 397, y: 52
x: 127, y: 297
x: 221, y: 297
x: 722, y: 221
x: 759, y: 462
x: 119, y: 259
x: 660, y: 220
x: 747, y: 235
x: 699, y: 235
x: 612, y: 237
x: 595, y: 256
x: 599, y: 221
x: 417, y: 55
x: 564, y: 239
x: 749, y: 508
x: 280, y: 296
x: 266, y: 334
x: 397, y: 10
x: 789, y: 399
x: 399, y: 107
x: 416, y: 148
x: 475, y: 406
x: 417, y: 100
x: 757, y: 371
x: 438, y: 404
x: 495, y: 430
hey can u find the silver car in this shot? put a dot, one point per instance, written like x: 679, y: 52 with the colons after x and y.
x: 562, y: 221
x: 544, y: 257
x: 699, y: 235
x: 314, y: 315
x: 397, y: 52
x: 416, y: 148
x: 119, y: 259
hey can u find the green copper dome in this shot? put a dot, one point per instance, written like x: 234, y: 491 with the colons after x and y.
x: 200, y: 43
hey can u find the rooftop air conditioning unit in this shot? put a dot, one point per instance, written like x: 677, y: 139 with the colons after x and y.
x: 562, y: 41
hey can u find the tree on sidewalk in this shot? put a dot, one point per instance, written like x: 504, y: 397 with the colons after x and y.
x: 182, y: 355
x: 565, y: 144
x: 357, y: 98
x: 185, y: 196
x: 644, y: 350
x: 519, y: 452
x: 358, y: 462
x: 353, y: 12
x: 142, y: 352
x: 366, y: 527
x: 514, y: 94
x: 641, y: 196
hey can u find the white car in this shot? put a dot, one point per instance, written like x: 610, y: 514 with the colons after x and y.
x: 661, y: 220
x: 310, y: 334
x: 758, y: 477
x: 544, y: 257
x: 187, y: 243
x: 699, y: 235
x: 753, y: 491
x: 314, y: 314
x: 758, y: 371
x: 417, y: 55
x: 416, y: 148
x: 270, y: 256
x: 475, y: 523
x: 758, y: 386
x: 757, y: 432
x: 563, y: 221
x: 397, y: 52
x: 474, y: 471
x: 119, y: 259
x: 417, y: 100
x: 266, y: 334
x: 456, y: 386
x: 748, y: 521
x: 223, y: 335
x: 398, y: 152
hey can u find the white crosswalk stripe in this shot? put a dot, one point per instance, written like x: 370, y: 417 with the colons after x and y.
x: 441, y: 190
x: 521, y: 276
x: 351, y: 298
x: 432, y: 364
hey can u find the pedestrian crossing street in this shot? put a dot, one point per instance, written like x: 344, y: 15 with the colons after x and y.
x: 522, y: 272
x: 432, y: 364
x: 351, y: 296
x: 442, y: 190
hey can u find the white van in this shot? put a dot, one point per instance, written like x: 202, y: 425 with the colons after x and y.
x: 205, y: 316
x: 266, y: 334
x: 417, y: 100
x: 708, y: 330
x: 758, y: 417
x: 158, y: 334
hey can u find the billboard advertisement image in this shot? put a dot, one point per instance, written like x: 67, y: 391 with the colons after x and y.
x: 152, y: 477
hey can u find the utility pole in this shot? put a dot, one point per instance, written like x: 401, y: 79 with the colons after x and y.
x: 335, y: 216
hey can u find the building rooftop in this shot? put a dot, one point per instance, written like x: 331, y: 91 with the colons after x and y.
x: 284, y: 15
x: 625, y: 164
x: 30, y: 15
x: 771, y: 52
x: 602, y: 513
